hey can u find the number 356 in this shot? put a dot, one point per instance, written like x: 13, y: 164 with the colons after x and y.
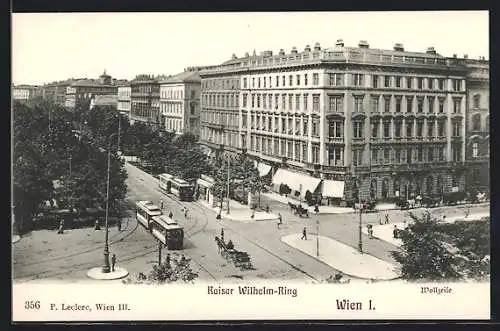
x: 31, y: 304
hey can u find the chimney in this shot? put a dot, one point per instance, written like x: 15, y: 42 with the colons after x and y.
x: 454, y: 56
x: 317, y: 47
x: 294, y: 50
x: 307, y: 48
x: 282, y: 52
x: 398, y: 47
x: 363, y: 44
x: 339, y: 43
x: 466, y: 56
x: 430, y: 50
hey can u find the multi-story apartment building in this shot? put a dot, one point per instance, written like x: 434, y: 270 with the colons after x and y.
x: 220, y: 108
x: 478, y: 126
x: 367, y: 123
x: 80, y: 93
x: 56, y: 91
x: 26, y: 92
x: 145, y: 100
x: 124, y: 99
x: 180, y: 102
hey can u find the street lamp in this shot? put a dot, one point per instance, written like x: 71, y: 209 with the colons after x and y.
x: 106, y: 268
x: 360, y: 240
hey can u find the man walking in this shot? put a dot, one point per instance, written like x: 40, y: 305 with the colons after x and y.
x: 304, y: 234
x: 161, y: 204
x: 119, y: 224
x: 386, y: 218
x: 170, y: 215
x: 97, y: 226
x: 61, y: 227
x: 280, y: 221
x: 113, y: 262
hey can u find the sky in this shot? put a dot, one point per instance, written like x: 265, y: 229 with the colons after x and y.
x: 49, y: 47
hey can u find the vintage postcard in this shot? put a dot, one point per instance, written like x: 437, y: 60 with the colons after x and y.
x: 250, y: 166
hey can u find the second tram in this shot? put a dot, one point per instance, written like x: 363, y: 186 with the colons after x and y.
x: 165, y: 182
x: 168, y: 231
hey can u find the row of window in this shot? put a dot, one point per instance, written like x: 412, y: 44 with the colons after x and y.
x: 145, y: 88
x: 171, y: 94
x: 289, y: 125
x: 217, y: 117
x: 171, y: 108
x: 406, y: 155
x: 217, y: 137
x: 408, y: 128
x: 220, y: 100
x: 173, y: 125
x: 220, y: 84
x: 354, y: 79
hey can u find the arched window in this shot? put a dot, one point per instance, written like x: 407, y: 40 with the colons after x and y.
x: 429, y: 185
x: 373, y: 189
x: 476, y: 122
x: 477, y: 101
x: 385, y: 188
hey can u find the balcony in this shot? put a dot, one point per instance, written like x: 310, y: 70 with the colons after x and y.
x: 358, y: 141
x: 214, y: 126
x: 336, y: 140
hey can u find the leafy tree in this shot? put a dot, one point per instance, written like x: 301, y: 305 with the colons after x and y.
x: 425, y: 254
x: 188, y: 164
x: 178, y: 270
x: 185, y: 141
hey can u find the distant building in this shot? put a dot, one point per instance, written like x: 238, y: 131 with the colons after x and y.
x: 56, y: 91
x: 478, y: 126
x: 104, y: 100
x: 145, y: 101
x: 345, y: 123
x: 125, y: 99
x: 180, y: 102
x: 26, y: 92
x: 80, y: 93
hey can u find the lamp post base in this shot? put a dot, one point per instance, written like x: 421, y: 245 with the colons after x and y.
x: 106, y: 268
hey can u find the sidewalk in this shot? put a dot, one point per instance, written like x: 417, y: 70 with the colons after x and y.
x: 343, y: 257
x: 239, y: 212
x: 322, y: 209
x: 385, y: 231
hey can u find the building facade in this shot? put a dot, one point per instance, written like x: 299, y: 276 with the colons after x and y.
x: 80, y: 93
x: 26, y: 92
x: 478, y: 126
x: 145, y: 100
x: 381, y: 124
x: 124, y: 99
x: 180, y: 102
x: 56, y: 91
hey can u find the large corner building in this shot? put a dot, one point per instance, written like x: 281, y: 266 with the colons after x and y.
x: 346, y: 122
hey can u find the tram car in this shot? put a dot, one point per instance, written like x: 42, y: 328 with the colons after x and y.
x: 145, y: 211
x: 181, y: 189
x: 168, y: 231
x: 164, y: 182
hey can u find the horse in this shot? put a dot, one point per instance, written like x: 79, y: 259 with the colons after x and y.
x: 219, y: 244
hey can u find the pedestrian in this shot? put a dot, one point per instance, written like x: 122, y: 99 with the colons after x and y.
x: 444, y: 218
x: 113, y: 262
x: 386, y: 218
x: 222, y: 234
x: 267, y: 209
x: 316, y: 208
x: 97, y: 226
x: 167, y: 260
x: 170, y: 215
x: 161, y: 204
x: 119, y: 224
x: 370, y: 231
x: 230, y: 244
x: 380, y: 221
x: 280, y: 220
x: 304, y: 234
x: 185, y: 213
x: 61, y: 227
x: 395, y: 232
x: 253, y: 214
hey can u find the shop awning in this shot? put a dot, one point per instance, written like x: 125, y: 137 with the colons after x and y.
x: 296, y: 181
x: 263, y: 169
x: 204, y: 183
x: 333, y: 188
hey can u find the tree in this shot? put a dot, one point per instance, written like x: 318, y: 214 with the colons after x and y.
x: 178, y: 270
x: 185, y: 141
x: 188, y: 164
x: 424, y: 253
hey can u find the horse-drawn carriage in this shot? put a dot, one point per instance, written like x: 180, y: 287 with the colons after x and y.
x: 240, y: 259
x: 298, y: 210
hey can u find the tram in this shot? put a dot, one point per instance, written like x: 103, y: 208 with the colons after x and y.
x: 181, y: 189
x: 168, y: 231
x: 164, y: 182
x: 145, y: 211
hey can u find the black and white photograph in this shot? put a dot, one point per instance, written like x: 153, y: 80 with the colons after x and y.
x: 252, y: 165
